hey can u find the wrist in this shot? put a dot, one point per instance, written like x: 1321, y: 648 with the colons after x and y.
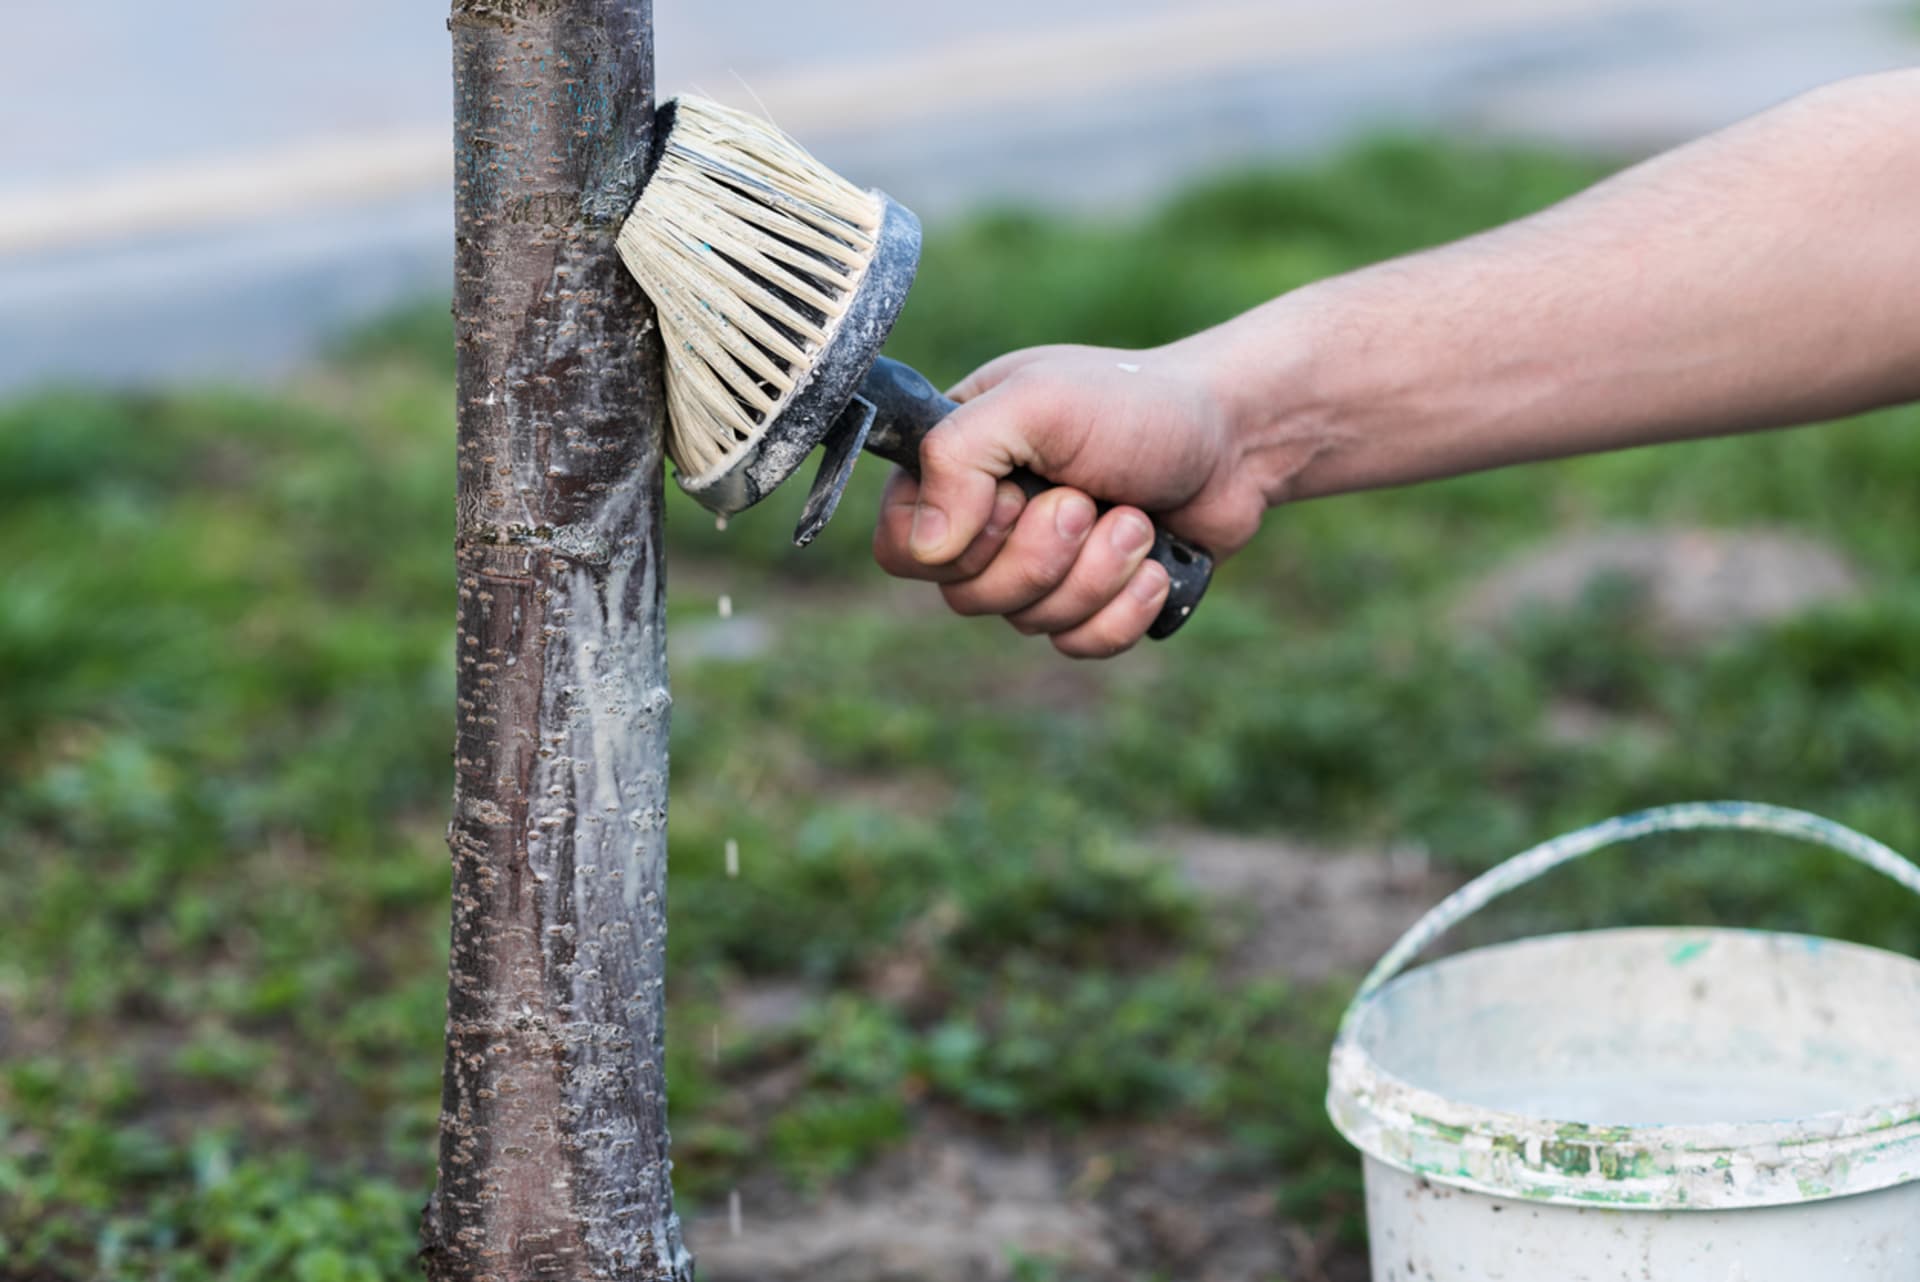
x: 1267, y: 375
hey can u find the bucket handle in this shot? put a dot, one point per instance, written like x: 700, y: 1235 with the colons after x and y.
x: 1696, y: 816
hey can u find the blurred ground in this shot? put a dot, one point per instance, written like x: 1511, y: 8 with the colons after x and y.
x: 241, y: 178
x: 1031, y: 968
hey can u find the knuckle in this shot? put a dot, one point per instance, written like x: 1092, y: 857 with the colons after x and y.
x: 976, y: 558
x: 1041, y: 575
x: 942, y: 451
x: 1062, y: 610
x: 902, y: 565
x: 1030, y: 395
x: 890, y: 551
x: 1237, y: 528
x: 1116, y: 629
x: 1032, y: 620
x: 898, y: 565
x: 964, y: 599
x: 1099, y: 643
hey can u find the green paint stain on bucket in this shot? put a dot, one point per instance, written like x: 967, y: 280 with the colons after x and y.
x: 1686, y: 952
x: 1444, y: 1130
x: 1583, y: 1133
x: 1568, y: 1159
x: 1624, y: 1163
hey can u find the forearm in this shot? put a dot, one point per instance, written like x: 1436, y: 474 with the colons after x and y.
x: 1765, y: 276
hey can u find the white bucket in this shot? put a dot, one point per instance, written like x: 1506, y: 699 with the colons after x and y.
x: 1681, y: 1105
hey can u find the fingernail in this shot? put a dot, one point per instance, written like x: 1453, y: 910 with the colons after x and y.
x: 1149, y: 581
x: 1007, y: 504
x: 1131, y: 534
x: 1073, y: 517
x: 929, y: 531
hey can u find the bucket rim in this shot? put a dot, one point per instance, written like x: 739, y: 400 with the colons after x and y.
x: 1651, y: 1167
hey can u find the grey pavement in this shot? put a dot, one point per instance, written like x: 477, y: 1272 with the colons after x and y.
x: 1075, y: 104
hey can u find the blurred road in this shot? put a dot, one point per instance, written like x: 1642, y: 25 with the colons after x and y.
x: 253, y: 175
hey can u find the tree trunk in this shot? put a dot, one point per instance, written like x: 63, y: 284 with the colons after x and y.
x: 553, y: 1136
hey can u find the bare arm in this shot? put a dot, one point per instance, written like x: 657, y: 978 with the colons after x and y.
x: 1765, y: 276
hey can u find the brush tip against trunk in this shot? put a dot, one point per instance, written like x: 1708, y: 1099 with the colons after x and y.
x: 754, y: 254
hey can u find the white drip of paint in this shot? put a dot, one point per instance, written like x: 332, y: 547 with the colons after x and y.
x: 733, y: 857
x: 720, y: 523
x: 733, y: 1213
x: 726, y: 606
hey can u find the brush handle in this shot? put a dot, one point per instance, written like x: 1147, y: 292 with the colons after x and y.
x: 907, y: 407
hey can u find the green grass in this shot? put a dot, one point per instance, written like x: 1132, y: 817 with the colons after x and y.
x: 224, y: 733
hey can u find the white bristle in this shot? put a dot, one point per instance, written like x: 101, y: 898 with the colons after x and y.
x: 751, y: 251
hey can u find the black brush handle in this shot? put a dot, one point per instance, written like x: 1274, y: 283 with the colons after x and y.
x: 907, y: 407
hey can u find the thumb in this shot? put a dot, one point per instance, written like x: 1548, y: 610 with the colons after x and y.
x: 995, y: 372
x: 961, y: 463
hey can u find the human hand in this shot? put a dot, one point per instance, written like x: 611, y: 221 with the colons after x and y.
x: 1142, y: 430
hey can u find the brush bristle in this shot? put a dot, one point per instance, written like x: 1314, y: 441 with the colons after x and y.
x: 751, y: 251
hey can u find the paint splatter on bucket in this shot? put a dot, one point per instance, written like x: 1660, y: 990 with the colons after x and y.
x: 1681, y: 1104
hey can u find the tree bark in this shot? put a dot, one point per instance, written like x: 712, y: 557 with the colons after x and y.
x: 553, y: 1136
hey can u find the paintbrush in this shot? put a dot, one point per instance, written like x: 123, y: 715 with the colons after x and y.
x: 776, y: 281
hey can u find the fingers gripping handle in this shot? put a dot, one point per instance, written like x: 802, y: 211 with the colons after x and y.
x: 908, y: 407
x: 1189, y: 570
x: 1189, y: 566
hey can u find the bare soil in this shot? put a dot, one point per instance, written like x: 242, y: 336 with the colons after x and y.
x: 964, y: 1203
